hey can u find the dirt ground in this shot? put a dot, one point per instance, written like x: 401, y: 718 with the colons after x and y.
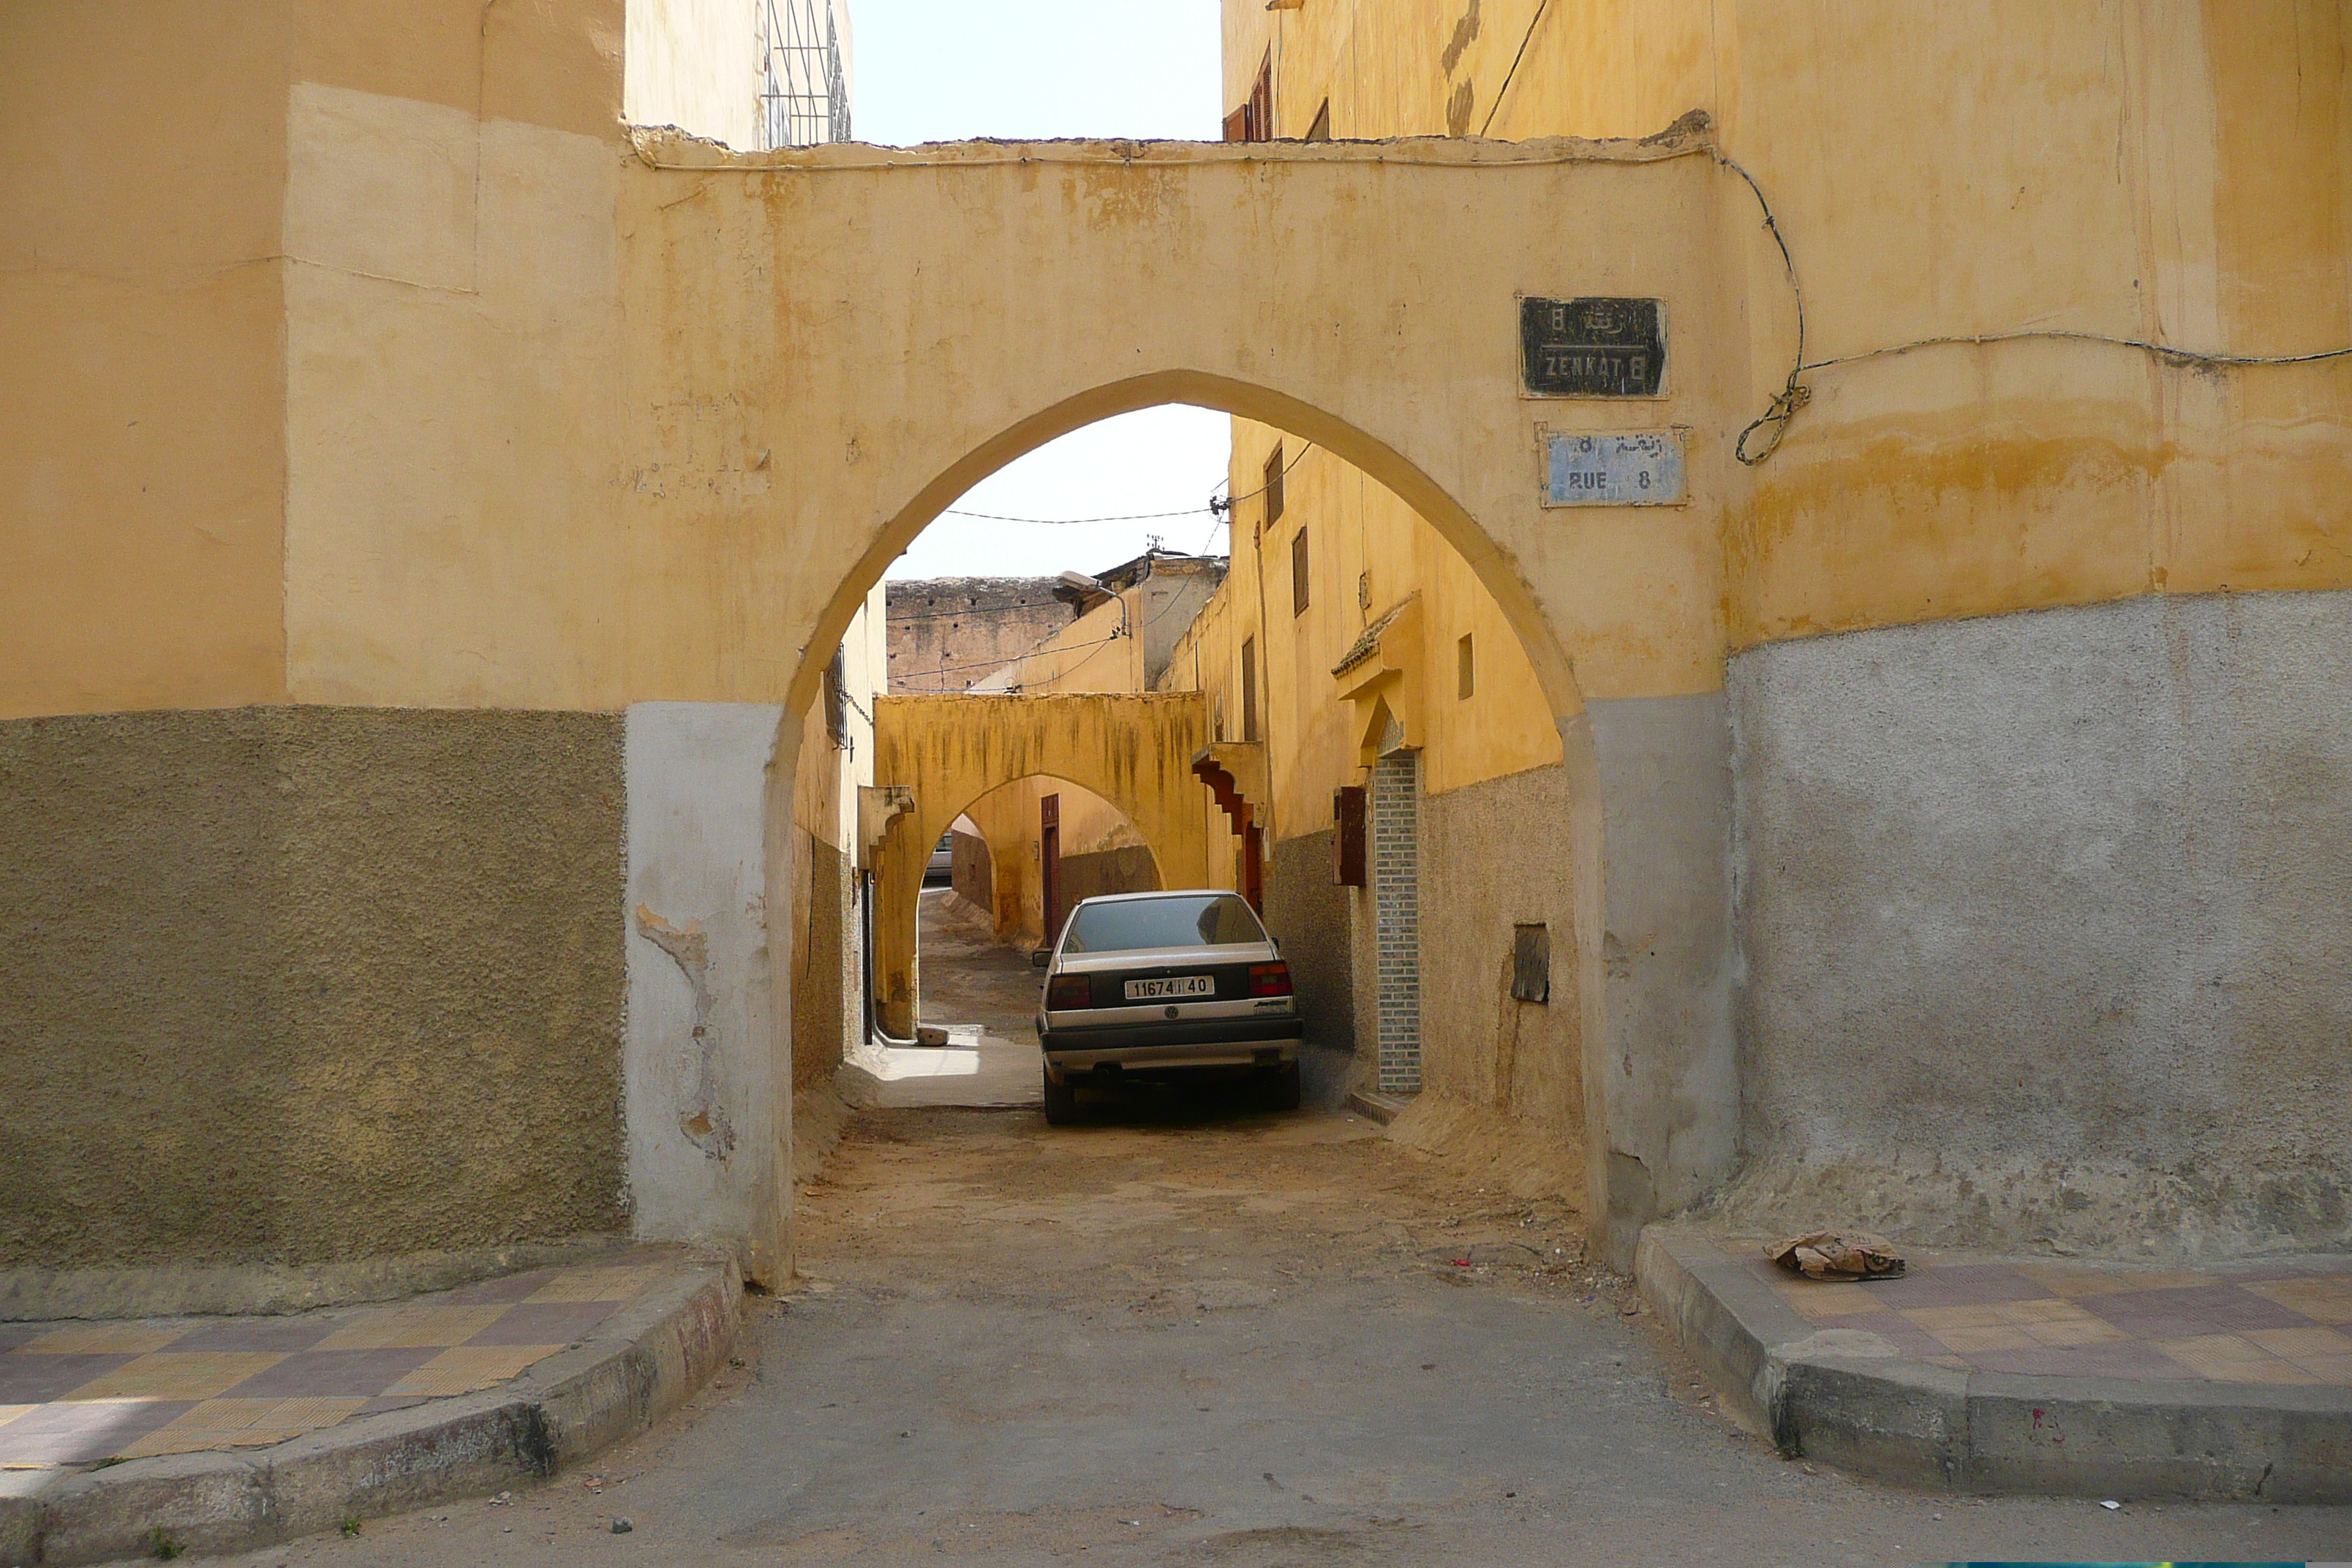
x: 1190, y: 1333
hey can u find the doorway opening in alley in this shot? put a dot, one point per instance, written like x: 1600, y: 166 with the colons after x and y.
x: 1353, y: 716
x: 1013, y: 861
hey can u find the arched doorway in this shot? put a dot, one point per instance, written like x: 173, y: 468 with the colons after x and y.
x: 1393, y: 711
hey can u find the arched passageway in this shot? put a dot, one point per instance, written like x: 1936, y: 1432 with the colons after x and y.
x: 1133, y: 749
x: 1388, y: 707
x: 838, y: 391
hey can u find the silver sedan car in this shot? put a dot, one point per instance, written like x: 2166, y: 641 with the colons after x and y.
x: 1166, y: 985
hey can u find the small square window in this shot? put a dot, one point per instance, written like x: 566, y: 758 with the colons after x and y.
x: 1531, y: 963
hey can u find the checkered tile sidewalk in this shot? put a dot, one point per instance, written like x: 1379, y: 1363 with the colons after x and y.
x: 2282, y: 1322
x: 76, y: 1393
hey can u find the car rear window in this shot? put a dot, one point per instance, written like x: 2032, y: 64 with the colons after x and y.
x: 1212, y: 920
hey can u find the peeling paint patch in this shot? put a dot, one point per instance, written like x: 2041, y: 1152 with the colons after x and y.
x: 702, y: 1118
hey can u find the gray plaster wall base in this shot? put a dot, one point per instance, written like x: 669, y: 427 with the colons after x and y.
x: 45, y: 1295
x: 2044, y: 925
x: 1665, y: 1066
x: 1845, y: 1397
x: 643, y: 1362
x: 702, y: 1051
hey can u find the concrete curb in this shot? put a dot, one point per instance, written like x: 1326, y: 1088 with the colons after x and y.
x: 46, y: 1295
x: 1836, y: 1395
x: 642, y: 1363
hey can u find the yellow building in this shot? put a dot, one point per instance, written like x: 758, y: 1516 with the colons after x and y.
x: 433, y: 505
x: 2047, y: 337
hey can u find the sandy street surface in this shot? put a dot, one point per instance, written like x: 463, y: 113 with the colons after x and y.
x: 1188, y: 1334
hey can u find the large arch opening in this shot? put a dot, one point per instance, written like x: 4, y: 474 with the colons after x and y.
x: 1375, y: 664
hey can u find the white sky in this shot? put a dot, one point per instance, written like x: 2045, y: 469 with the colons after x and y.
x: 941, y: 71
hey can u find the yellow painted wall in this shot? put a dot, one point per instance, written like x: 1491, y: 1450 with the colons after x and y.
x: 142, y: 298
x: 1368, y: 555
x: 502, y: 403
x: 2166, y: 172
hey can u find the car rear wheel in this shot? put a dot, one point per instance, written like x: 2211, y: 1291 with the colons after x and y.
x: 1281, y: 1089
x: 1061, y: 1101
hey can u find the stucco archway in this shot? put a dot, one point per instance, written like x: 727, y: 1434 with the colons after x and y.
x: 875, y: 330
x: 957, y: 741
x: 1133, y: 749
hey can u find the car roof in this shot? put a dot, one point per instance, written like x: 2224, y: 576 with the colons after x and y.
x: 1160, y: 893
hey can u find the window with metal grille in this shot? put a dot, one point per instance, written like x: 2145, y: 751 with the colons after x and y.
x: 803, y: 90
x: 836, y: 698
x: 1298, y: 572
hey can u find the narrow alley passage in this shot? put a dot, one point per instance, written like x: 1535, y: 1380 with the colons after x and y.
x: 982, y: 994
x: 1247, y: 1341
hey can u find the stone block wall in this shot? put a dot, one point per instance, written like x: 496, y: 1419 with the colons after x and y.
x: 298, y: 985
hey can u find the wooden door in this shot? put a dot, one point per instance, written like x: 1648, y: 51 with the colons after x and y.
x: 1049, y: 863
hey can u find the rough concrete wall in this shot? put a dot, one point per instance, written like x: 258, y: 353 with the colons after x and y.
x: 1307, y: 913
x: 294, y: 984
x: 1669, y: 1074
x: 1127, y: 870
x: 2046, y: 925
x: 702, y: 1051
x: 1496, y: 855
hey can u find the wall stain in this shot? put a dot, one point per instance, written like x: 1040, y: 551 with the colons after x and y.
x: 702, y: 1118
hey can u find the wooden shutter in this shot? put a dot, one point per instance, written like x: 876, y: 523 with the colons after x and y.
x: 1347, y: 835
x: 1272, y: 489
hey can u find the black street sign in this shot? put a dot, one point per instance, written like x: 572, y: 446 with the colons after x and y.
x: 1592, y: 347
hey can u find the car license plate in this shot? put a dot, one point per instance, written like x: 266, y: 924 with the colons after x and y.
x: 1181, y: 985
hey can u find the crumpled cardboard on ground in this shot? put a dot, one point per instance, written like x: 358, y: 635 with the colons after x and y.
x: 1838, y: 1255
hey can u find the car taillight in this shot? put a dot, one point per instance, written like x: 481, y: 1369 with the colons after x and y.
x: 1269, y: 980
x: 1065, y: 992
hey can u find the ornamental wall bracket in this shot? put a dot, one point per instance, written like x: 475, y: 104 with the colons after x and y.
x: 880, y: 807
x: 1380, y: 675
x: 1236, y: 773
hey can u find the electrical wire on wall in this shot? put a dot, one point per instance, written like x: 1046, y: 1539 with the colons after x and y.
x: 1773, y: 423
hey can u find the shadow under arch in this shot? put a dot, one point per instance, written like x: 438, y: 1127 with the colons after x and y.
x: 1248, y: 400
